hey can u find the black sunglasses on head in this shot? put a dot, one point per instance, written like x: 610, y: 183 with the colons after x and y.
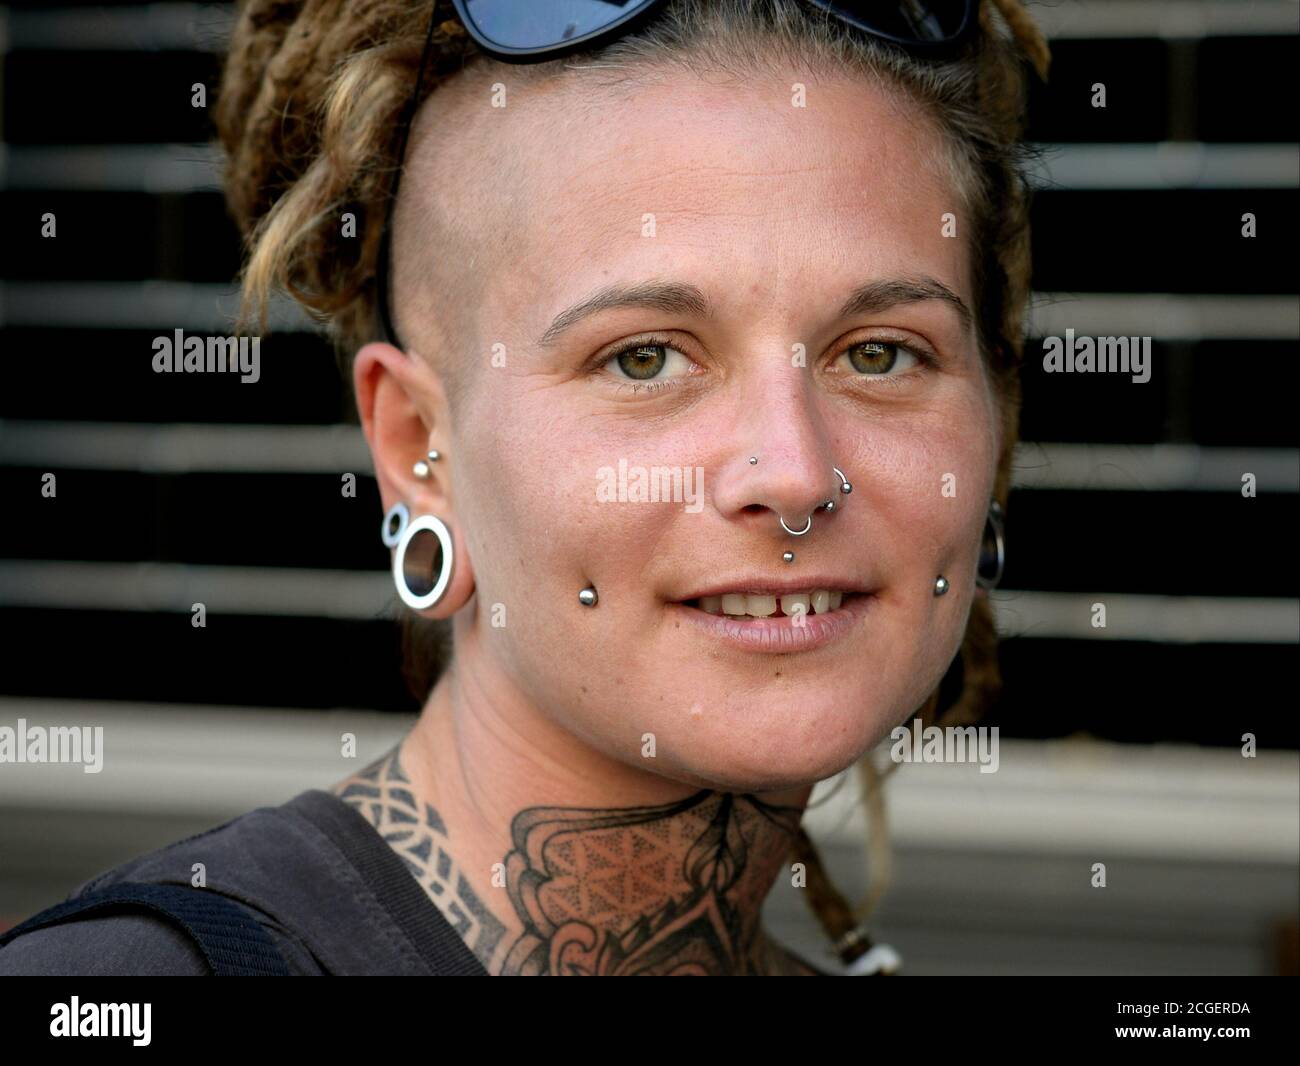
x: 535, y: 31
x: 538, y: 30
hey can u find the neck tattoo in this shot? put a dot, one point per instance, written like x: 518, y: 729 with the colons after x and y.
x: 675, y: 889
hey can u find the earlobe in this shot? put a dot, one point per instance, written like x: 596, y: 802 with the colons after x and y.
x: 430, y: 568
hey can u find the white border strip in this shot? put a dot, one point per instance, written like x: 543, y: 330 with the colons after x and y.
x: 1054, y: 797
x: 186, y: 448
x: 1167, y: 19
x: 181, y: 448
x: 193, y: 168
x: 168, y: 305
x: 363, y: 595
x: 176, y: 587
x: 1166, y: 316
x: 1162, y: 619
x: 160, y: 305
x: 1096, y: 799
x: 173, y: 27
x: 1144, y: 467
x: 1167, y: 165
x: 151, y: 168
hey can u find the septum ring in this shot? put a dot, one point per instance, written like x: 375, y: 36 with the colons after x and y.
x: 829, y: 506
x: 796, y: 532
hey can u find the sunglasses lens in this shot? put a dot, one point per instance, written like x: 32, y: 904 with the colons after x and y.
x: 528, y: 25
x: 917, y: 21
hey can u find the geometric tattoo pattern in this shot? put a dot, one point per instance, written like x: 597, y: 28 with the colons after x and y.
x: 602, y: 892
x: 383, y: 794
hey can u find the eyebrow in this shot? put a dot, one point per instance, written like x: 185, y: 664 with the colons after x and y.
x: 679, y: 298
x: 890, y: 292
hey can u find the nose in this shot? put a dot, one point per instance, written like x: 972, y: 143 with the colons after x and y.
x: 781, y: 469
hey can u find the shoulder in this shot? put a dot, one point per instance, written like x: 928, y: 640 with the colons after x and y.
x: 271, y: 861
x: 119, y: 945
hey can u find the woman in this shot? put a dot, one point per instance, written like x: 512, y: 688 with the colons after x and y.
x: 689, y: 385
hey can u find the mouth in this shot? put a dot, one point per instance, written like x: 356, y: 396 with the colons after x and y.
x: 773, y: 604
x: 752, y: 618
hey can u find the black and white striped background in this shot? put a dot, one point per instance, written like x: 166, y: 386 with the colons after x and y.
x: 173, y: 490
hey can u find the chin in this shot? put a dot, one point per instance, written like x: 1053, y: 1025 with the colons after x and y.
x: 776, y: 746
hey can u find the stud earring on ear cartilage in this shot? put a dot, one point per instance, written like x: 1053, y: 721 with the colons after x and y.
x: 940, y: 585
x: 588, y: 598
x: 421, y: 467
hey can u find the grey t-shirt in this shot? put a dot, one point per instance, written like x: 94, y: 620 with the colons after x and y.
x: 335, y: 898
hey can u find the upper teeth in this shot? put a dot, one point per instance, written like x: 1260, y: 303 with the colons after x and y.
x: 758, y: 605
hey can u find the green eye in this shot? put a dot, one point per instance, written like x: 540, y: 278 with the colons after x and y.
x: 643, y: 362
x: 655, y: 362
x: 878, y: 357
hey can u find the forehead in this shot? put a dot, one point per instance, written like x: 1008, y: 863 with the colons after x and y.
x: 729, y: 185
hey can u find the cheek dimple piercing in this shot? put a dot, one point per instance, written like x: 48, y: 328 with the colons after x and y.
x: 940, y: 585
x: 587, y: 597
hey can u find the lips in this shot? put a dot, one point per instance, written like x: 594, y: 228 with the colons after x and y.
x: 772, y: 604
x: 779, y: 633
x: 765, y: 595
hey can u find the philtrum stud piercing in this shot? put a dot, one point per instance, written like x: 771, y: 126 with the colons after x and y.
x: 588, y: 598
x: 788, y: 557
x: 940, y: 585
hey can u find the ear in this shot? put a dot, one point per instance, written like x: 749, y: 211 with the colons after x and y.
x: 404, y: 413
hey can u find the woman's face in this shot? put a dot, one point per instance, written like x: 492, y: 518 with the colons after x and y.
x: 749, y: 224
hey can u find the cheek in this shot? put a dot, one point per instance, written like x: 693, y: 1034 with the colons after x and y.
x: 539, y: 531
x: 928, y: 484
